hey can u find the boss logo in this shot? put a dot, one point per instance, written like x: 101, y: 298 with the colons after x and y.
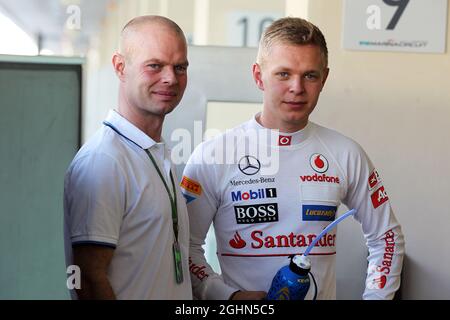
x: 258, y: 213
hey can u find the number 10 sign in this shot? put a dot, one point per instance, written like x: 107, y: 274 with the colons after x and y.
x: 395, y: 25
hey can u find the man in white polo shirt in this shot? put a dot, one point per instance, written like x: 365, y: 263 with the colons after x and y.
x: 126, y: 223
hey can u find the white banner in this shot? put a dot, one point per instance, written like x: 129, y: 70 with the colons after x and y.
x: 246, y: 27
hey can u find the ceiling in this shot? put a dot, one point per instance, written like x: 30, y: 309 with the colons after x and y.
x: 62, y: 26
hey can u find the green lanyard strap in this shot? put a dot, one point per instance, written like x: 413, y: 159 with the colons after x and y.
x: 173, y: 204
x: 173, y: 199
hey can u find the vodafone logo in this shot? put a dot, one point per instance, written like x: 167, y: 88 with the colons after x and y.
x: 284, y: 140
x: 319, y: 163
x: 320, y: 178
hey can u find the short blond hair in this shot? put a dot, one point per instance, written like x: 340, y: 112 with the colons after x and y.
x: 295, y: 31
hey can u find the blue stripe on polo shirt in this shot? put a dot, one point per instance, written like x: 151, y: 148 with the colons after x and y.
x: 97, y: 243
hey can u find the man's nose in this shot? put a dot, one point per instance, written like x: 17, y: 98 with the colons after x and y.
x: 297, y: 85
x: 169, y: 76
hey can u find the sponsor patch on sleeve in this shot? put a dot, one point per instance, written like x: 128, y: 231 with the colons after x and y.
x: 376, y: 281
x: 379, y: 197
x: 318, y: 213
x: 374, y: 180
x: 188, y: 197
x: 198, y: 270
x: 191, y: 186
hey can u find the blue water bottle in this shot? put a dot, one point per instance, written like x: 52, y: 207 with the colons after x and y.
x: 291, y: 282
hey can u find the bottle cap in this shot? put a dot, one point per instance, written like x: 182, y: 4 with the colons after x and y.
x: 300, y: 264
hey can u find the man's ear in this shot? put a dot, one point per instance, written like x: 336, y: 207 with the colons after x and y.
x: 118, y: 62
x: 257, y: 76
x: 325, y: 77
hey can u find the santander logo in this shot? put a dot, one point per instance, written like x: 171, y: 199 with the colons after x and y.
x: 378, y: 274
x: 378, y: 283
x: 237, y: 242
x: 319, y: 163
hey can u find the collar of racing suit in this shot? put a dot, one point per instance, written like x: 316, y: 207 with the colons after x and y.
x: 283, y: 139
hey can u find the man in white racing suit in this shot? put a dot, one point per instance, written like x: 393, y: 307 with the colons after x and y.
x: 286, y: 178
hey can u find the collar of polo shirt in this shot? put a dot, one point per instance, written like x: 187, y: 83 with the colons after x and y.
x: 130, y: 131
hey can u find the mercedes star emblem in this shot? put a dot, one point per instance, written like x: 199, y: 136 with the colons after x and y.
x: 249, y: 165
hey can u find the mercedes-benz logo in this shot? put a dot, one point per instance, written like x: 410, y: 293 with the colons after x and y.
x: 249, y: 165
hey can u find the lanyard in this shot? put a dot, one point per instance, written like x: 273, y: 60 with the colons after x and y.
x: 173, y: 204
x: 172, y: 199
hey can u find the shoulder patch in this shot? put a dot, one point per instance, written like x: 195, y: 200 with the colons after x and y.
x: 379, y: 197
x: 191, y: 185
x: 374, y: 180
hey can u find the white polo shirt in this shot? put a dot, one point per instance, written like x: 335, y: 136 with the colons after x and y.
x: 114, y: 197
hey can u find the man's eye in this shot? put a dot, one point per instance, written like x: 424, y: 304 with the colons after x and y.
x: 180, y: 69
x: 283, y: 74
x: 311, y: 76
x: 154, y: 66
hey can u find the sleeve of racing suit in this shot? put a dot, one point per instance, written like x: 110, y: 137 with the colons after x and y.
x: 383, y: 234
x: 199, y: 185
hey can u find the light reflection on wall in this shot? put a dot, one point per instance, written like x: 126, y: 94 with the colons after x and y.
x: 13, y: 40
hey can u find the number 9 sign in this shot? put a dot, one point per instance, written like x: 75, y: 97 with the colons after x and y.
x: 395, y: 25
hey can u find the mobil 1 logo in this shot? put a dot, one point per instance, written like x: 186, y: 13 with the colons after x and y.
x: 256, y: 213
x: 253, y: 194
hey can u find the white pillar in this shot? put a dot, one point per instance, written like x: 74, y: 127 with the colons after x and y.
x: 164, y: 8
x: 201, y: 22
x: 147, y: 7
x: 297, y: 8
